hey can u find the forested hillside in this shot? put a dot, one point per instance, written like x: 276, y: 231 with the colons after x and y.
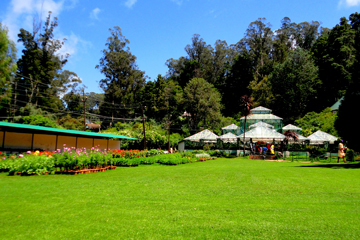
x: 298, y: 71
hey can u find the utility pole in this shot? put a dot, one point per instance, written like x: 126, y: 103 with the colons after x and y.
x: 169, y: 133
x: 142, y: 110
x: 112, y: 114
x: 84, y: 101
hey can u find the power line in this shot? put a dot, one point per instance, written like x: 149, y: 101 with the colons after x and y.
x: 92, y: 114
x: 120, y: 106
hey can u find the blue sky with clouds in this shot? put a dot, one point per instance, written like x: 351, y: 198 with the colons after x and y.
x: 158, y: 29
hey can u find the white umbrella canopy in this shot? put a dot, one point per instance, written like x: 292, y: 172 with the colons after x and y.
x: 228, y: 138
x: 291, y: 127
x: 206, y: 135
x: 262, y: 134
x: 320, y: 137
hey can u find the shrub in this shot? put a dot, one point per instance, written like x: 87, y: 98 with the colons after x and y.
x: 350, y: 155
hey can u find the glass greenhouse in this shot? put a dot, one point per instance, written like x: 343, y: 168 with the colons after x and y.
x: 231, y: 129
x: 261, y: 114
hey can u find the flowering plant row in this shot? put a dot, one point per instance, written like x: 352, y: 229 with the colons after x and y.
x: 40, y: 162
x: 71, y: 159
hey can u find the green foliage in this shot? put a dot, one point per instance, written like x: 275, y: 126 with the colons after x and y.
x: 294, y: 85
x: 346, y: 122
x: 121, y: 126
x: 174, y: 159
x: 70, y: 123
x: 38, y: 120
x: 156, y: 135
x: 40, y: 78
x: 30, y: 164
x: 236, y: 83
x: 262, y: 92
x: 312, y: 122
x: 123, y: 80
x: 202, y: 102
x: 206, y: 147
x: 30, y: 109
x: 334, y: 54
x: 350, y: 155
x: 127, y: 161
x: 7, y: 68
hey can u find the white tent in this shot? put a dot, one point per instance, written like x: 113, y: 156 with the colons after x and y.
x: 206, y: 135
x: 321, y: 137
x: 231, y: 127
x: 291, y: 127
x: 261, y: 124
x: 228, y: 138
x: 262, y: 134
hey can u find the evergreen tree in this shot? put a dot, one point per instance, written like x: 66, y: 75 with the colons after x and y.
x: 123, y: 80
x: 334, y: 54
x: 294, y: 85
x: 40, y: 79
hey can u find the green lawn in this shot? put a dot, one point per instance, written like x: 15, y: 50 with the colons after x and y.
x: 219, y: 199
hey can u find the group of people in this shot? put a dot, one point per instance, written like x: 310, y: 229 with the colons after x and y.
x: 270, y: 148
x: 257, y: 149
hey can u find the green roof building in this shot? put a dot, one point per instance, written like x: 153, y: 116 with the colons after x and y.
x: 15, y: 137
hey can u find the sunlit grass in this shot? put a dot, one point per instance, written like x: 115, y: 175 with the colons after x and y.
x: 223, y: 198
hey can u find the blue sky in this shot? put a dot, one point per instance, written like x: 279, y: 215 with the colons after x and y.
x: 158, y: 29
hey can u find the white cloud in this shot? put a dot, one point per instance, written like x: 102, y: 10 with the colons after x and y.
x: 22, y: 6
x: 130, y: 3
x: 95, y: 13
x: 36, y: 6
x: 72, y: 44
x: 22, y: 12
x: 350, y: 3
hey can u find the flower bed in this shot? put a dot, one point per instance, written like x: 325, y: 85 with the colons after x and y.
x: 175, y: 159
x: 82, y: 161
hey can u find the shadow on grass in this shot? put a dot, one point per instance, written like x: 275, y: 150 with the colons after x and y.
x: 335, y: 165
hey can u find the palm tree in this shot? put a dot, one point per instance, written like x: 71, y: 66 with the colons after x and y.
x: 246, y: 110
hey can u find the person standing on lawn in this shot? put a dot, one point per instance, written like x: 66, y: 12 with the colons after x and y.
x: 272, y: 149
x: 265, y: 149
x: 341, y: 152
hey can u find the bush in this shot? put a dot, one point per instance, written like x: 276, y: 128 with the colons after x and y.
x: 38, y: 120
x: 30, y: 164
x: 350, y: 155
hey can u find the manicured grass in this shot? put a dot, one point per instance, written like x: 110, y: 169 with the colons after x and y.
x: 219, y: 199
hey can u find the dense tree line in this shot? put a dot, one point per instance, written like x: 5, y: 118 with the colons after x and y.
x: 296, y: 69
